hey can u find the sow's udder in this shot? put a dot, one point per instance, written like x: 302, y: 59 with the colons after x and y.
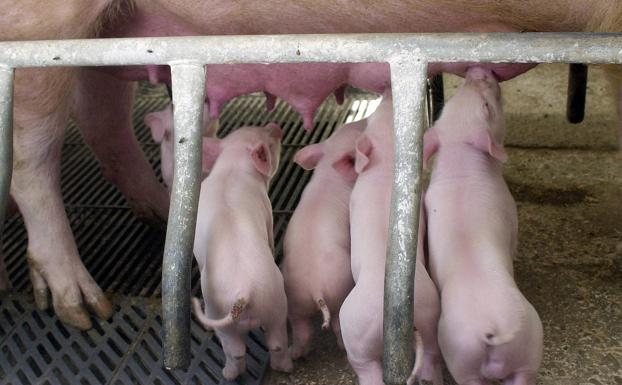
x: 302, y: 85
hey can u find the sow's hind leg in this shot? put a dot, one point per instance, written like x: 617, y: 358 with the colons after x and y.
x: 103, y: 110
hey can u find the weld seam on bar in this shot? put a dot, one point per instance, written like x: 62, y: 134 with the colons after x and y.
x: 408, y: 84
x: 6, y: 138
x: 535, y: 47
x: 188, y: 81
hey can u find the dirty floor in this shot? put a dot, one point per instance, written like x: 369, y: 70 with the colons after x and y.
x: 567, y: 182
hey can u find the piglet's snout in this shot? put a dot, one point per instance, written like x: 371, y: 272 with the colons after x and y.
x: 483, y: 80
x: 479, y: 73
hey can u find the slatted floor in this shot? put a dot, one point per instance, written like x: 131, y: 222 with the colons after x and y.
x: 38, y: 349
x: 125, y: 258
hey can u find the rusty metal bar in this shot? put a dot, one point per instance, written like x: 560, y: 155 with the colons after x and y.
x: 408, y: 85
x: 6, y: 138
x: 188, y: 80
x: 577, y: 86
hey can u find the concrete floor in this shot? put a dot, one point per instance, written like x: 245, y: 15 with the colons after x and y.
x: 567, y: 181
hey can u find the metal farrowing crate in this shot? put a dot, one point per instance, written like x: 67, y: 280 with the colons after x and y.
x: 408, y: 56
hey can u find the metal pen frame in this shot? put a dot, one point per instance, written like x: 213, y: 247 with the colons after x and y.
x: 408, y: 56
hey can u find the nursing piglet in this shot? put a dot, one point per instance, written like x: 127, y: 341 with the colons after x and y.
x: 487, y: 330
x: 316, y: 248
x: 161, y: 125
x: 241, y: 284
x: 362, y: 311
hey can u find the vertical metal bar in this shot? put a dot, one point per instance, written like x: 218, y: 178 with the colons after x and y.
x: 577, y: 85
x: 6, y: 138
x: 438, y: 96
x: 408, y: 83
x: 188, y: 97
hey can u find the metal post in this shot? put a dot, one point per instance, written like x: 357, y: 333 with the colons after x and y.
x: 188, y: 97
x: 408, y: 83
x: 6, y: 138
x: 577, y: 84
x: 437, y: 93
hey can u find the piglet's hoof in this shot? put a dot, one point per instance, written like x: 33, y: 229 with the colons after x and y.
x: 281, y: 363
x: 298, y: 351
x: 71, y: 289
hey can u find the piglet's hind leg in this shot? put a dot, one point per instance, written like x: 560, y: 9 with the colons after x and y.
x: 301, y: 335
x: 235, y: 353
x: 521, y: 378
x: 276, y: 339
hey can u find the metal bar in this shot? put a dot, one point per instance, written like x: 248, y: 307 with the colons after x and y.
x: 188, y: 81
x: 577, y: 85
x: 352, y: 48
x: 408, y: 84
x: 6, y: 138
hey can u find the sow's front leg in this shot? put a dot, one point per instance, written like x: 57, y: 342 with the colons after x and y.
x: 103, y: 110
x: 40, y: 115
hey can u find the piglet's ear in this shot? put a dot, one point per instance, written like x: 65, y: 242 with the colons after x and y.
x: 262, y: 158
x: 430, y: 145
x: 364, y: 149
x: 484, y: 142
x: 309, y: 156
x: 211, y: 150
x: 155, y: 123
x: 345, y: 166
x: 275, y: 130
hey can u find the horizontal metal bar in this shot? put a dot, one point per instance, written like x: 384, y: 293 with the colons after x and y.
x: 188, y: 96
x: 353, y: 48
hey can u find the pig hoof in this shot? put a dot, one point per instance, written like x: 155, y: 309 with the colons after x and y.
x: 70, y: 291
x: 229, y: 373
x: 285, y: 365
x: 298, y: 352
x: 39, y: 288
x: 100, y: 305
x: 42, y: 298
x: 74, y: 315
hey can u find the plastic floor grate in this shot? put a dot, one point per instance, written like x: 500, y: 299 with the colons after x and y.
x: 36, y: 348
